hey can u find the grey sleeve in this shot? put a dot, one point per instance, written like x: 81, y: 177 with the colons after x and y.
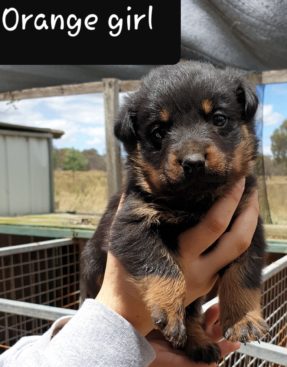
x: 95, y: 337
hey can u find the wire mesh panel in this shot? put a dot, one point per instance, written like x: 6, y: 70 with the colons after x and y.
x: 45, y: 276
x: 274, y: 305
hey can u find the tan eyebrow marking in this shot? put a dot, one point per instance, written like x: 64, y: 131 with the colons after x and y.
x: 207, y: 105
x: 164, y: 115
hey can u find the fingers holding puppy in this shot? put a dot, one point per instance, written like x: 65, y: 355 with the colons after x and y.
x: 201, y: 269
x: 234, y: 243
x: 213, y: 225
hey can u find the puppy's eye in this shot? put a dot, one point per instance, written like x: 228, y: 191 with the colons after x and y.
x: 219, y: 120
x: 158, y: 134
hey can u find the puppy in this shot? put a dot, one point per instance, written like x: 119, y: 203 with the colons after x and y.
x: 189, y: 135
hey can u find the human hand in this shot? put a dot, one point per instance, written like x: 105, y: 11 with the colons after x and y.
x: 167, y: 356
x: 200, y: 270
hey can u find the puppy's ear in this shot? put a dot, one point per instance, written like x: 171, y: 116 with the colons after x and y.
x: 124, y: 128
x: 246, y: 96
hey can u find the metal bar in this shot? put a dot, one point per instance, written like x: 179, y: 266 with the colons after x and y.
x: 36, y: 246
x: 112, y: 144
x: 274, y: 268
x: 33, y: 310
x: 45, y: 231
x: 266, y: 352
x: 277, y: 248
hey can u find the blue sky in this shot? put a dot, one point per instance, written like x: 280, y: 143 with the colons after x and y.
x: 82, y: 117
x: 274, y: 111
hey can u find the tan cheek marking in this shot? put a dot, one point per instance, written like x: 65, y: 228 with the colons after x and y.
x: 154, y: 177
x: 243, y: 162
x: 207, y: 106
x: 173, y: 169
x: 164, y: 115
x: 216, y: 160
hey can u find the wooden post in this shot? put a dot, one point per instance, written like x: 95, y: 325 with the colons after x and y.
x: 111, y: 95
x: 257, y: 79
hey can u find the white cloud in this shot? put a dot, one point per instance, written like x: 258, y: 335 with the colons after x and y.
x: 96, y: 136
x: 271, y: 117
x: 267, y: 150
x: 80, y: 117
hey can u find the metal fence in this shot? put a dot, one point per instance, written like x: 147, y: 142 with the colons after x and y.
x: 45, y: 273
x: 36, y: 276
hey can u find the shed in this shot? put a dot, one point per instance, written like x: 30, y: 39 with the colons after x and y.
x: 26, y: 179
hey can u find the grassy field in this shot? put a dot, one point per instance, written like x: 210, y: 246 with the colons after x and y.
x: 85, y: 192
x: 277, y: 196
x: 81, y: 192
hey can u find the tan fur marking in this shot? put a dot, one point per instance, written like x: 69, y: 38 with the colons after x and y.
x: 164, y: 290
x: 164, y: 115
x: 216, y: 159
x: 166, y: 294
x: 196, y: 336
x: 207, y: 106
x: 152, y: 213
x: 173, y: 168
x: 147, y: 176
x: 154, y: 176
x: 235, y: 300
x: 142, y: 210
x: 243, y: 163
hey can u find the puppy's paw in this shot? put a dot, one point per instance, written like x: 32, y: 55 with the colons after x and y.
x: 251, y: 327
x: 175, y: 333
x: 207, y: 353
x: 173, y: 328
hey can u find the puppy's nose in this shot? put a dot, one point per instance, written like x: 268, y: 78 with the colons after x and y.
x: 193, y: 164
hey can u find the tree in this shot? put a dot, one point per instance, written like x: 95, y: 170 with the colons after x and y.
x: 279, y: 144
x: 74, y: 161
x: 59, y: 157
x: 95, y: 160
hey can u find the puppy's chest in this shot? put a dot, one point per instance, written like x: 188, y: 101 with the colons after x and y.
x: 172, y: 223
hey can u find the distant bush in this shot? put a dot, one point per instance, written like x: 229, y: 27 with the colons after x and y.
x: 70, y: 159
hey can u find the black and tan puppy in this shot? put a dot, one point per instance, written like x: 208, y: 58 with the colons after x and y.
x: 189, y: 133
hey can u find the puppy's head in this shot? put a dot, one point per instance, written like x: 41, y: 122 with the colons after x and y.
x: 189, y: 127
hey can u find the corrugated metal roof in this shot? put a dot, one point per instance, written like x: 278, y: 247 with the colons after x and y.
x: 12, y: 127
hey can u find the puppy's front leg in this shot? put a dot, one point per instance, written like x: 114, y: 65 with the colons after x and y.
x: 156, y: 274
x: 240, y: 295
x: 164, y: 293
